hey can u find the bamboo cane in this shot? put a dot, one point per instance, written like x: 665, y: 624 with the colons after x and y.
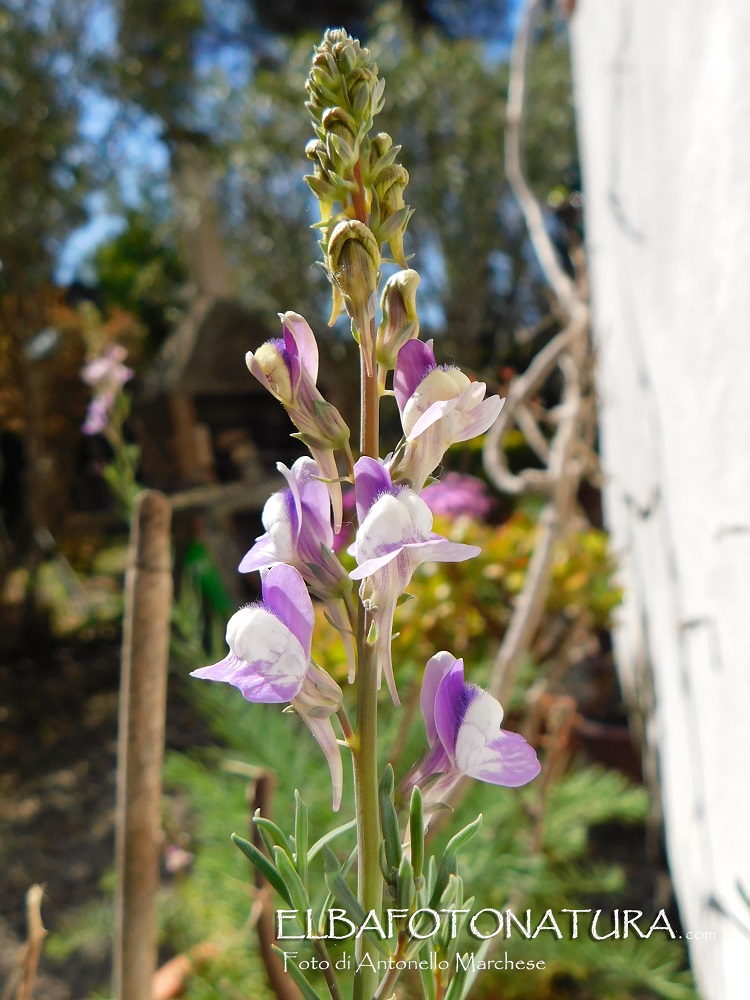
x: 143, y: 685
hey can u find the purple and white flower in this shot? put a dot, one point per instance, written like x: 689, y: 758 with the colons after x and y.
x: 288, y: 368
x: 106, y: 375
x: 439, y: 406
x: 269, y: 661
x: 457, y: 495
x: 108, y: 370
x: 463, y: 730
x: 299, y: 532
x: 395, y: 536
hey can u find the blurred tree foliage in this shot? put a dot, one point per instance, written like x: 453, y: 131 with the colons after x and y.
x: 445, y: 102
x: 142, y: 271
x: 217, y: 77
x: 43, y: 177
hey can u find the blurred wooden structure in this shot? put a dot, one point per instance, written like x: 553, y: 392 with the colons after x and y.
x: 200, y: 416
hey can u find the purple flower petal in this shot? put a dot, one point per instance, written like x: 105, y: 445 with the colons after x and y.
x: 265, y: 662
x: 488, y: 753
x: 306, y: 347
x: 97, y: 414
x: 439, y: 549
x: 436, y: 411
x: 415, y: 360
x: 483, y: 417
x: 314, y: 505
x: 436, y: 669
x: 451, y: 702
x: 370, y: 566
x: 371, y: 480
x: 261, y: 555
x: 294, y: 500
x: 285, y: 594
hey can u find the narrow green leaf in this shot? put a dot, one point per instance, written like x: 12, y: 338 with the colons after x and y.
x: 264, y: 866
x: 291, y: 967
x: 389, y: 820
x: 457, y: 986
x: 405, y: 891
x: 474, y: 972
x: 428, y: 982
x: 463, y: 837
x: 275, y: 832
x: 345, y: 897
x: 448, y: 867
x: 300, y: 837
x: 291, y: 879
x: 416, y: 830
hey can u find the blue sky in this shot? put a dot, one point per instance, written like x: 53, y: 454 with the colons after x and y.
x: 143, y: 156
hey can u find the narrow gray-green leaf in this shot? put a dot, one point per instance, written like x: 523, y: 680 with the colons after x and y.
x: 305, y: 988
x: 462, y: 838
x: 264, y: 866
x: 416, y: 829
x: 275, y: 832
x: 331, y: 835
x: 292, y: 880
x: 300, y: 837
x: 448, y: 867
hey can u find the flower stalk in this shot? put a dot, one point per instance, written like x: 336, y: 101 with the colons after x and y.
x: 360, y: 187
x: 369, y: 881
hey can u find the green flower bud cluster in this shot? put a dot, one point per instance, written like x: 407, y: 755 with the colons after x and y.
x: 356, y: 177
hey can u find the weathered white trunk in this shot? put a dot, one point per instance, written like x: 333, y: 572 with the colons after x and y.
x: 663, y: 100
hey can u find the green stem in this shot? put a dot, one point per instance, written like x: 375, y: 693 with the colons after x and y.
x: 330, y: 976
x: 370, y: 880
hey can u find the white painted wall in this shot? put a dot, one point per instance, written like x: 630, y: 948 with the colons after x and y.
x: 663, y: 99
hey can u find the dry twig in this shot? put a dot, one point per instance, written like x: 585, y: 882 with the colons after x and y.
x: 20, y: 985
x: 567, y: 456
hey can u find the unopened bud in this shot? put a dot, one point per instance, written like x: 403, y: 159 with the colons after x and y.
x: 380, y: 144
x: 393, y: 213
x: 340, y: 123
x: 400, y: 321
x: 316, y: 150
x: 354, y: 263
x: 340, y: 130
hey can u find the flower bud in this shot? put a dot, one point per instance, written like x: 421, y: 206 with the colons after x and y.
x: 380, y: 144
x: 316, y: 150
x: 394, y: 213
x: 400, y: 321
x: 353, y: 264
x: 341, y: 143
x: 340, y: 123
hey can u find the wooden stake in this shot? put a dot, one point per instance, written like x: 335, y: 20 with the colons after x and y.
x: 143, y: 687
